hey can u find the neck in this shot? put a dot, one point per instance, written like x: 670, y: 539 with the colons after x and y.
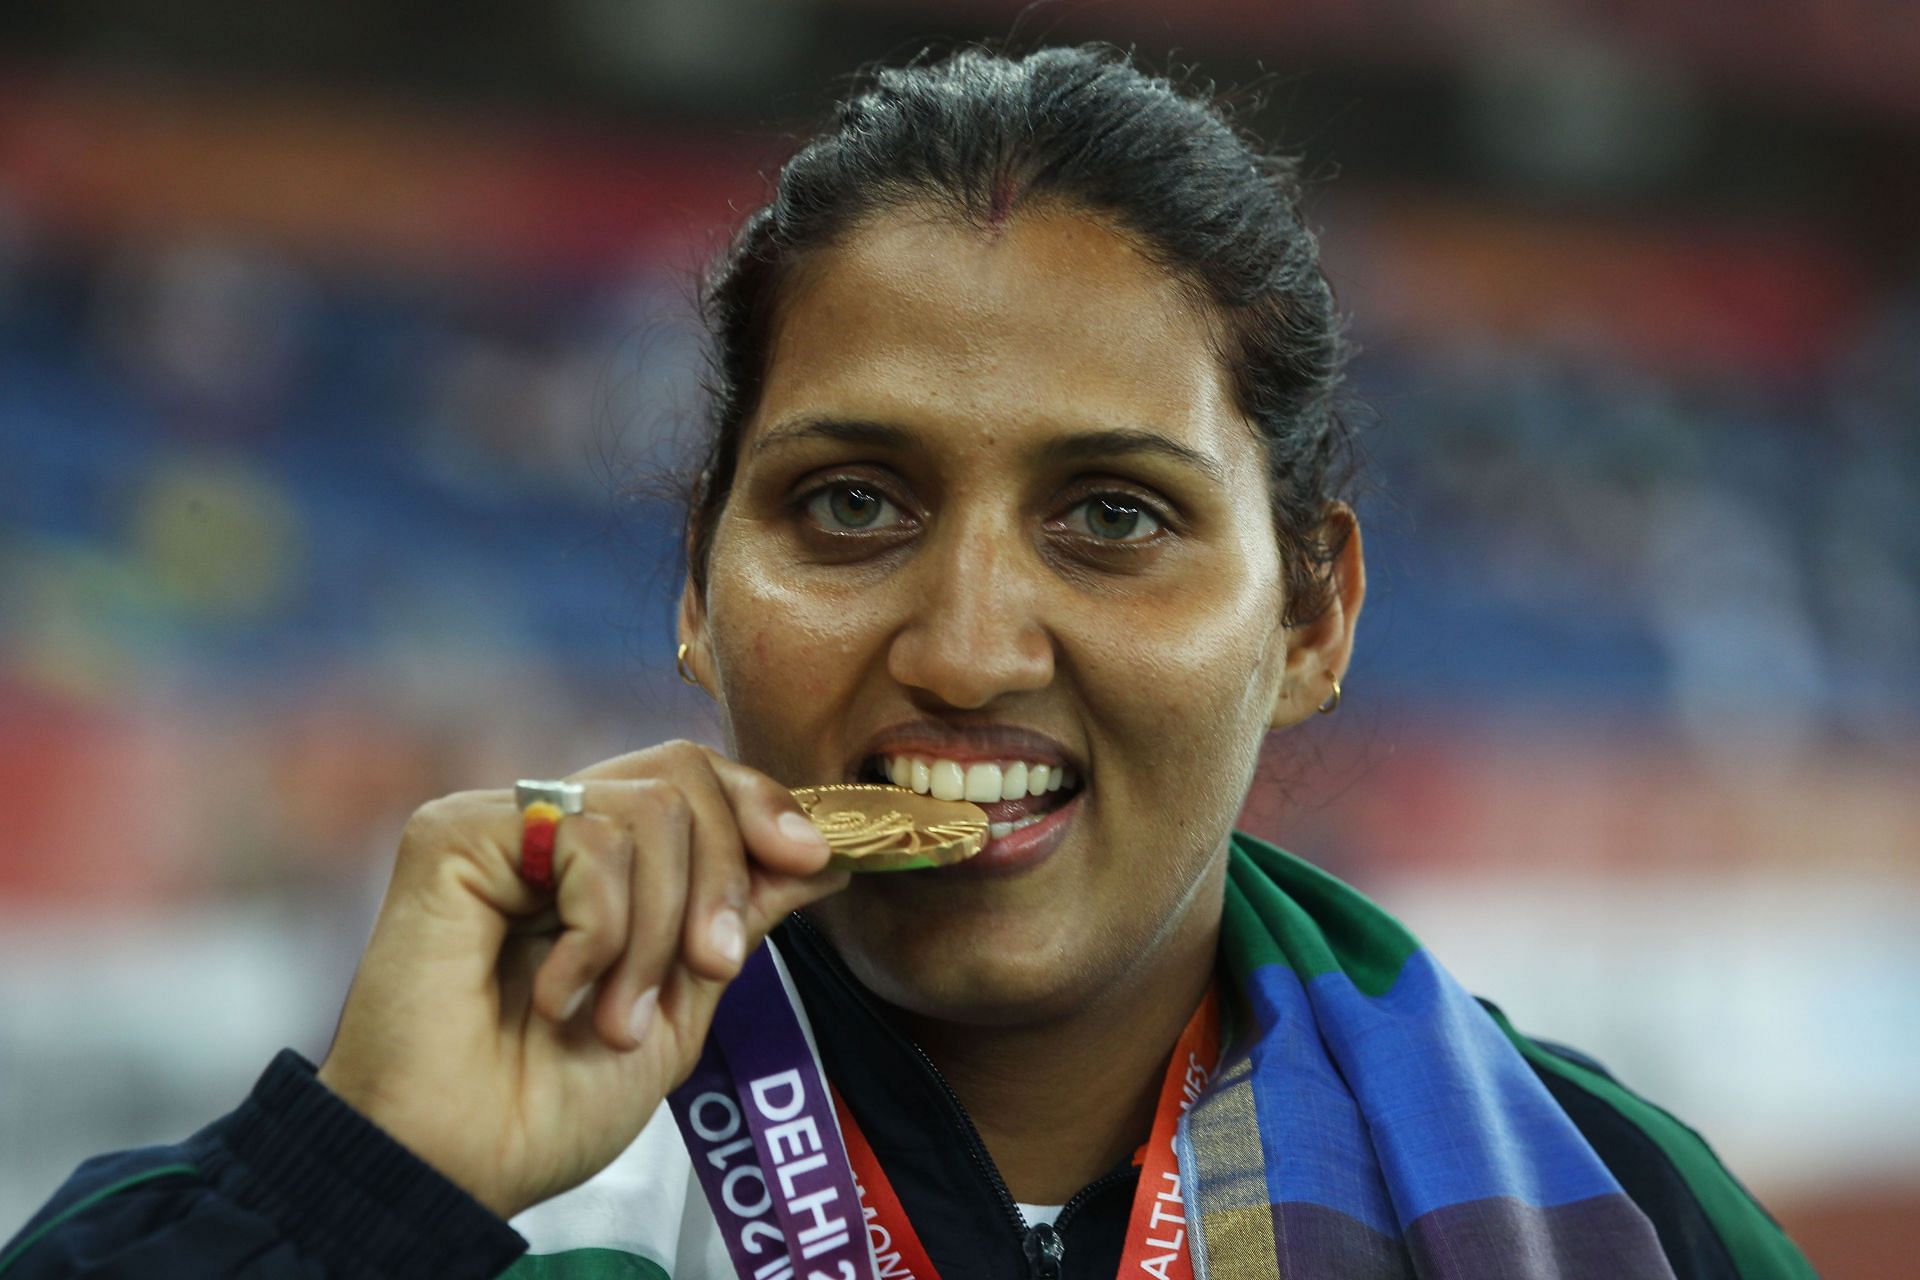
x: 1062, y: 1102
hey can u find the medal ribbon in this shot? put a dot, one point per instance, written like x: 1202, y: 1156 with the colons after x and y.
x: 758, y: 1122
x: 800, y: 1197
x: 1157, y: 1227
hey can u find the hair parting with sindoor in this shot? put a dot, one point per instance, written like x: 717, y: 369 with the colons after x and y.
x: 980, y: 134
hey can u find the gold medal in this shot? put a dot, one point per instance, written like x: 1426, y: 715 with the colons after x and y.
x: 874, y: 828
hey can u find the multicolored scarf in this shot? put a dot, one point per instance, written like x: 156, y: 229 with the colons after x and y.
x: 1372, y: 1121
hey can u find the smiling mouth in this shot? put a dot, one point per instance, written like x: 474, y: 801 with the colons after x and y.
x: 1014, y: 793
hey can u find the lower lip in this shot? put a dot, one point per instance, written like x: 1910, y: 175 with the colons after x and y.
x: 1020, y: 850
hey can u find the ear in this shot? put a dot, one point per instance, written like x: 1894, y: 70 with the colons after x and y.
x: 1318, y: 651
x: 693, y: 634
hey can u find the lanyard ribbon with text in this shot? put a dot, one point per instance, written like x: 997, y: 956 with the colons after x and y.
x: 796, y: 1202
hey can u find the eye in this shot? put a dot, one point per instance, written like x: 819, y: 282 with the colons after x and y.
x: 847, y: 506
x: 1114, y: 517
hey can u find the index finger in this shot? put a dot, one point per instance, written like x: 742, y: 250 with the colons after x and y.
x: 772, y: 825
x: 775, y: 831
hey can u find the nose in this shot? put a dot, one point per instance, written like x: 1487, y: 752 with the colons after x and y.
x: 973, y: 631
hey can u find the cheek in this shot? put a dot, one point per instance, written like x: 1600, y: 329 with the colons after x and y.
x: 787, y: 660
x: 1173, y: 689
x: 1183, y: 685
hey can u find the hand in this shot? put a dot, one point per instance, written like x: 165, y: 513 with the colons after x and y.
x: 519, y: 1040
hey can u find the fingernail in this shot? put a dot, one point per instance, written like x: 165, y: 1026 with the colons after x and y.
x: 574, y: 1002
x: 795, y: 827
x: 642, y: 1016
x: 727, y: 935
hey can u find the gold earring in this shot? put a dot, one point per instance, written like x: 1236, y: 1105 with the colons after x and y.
x: 1332, y: 704
x: 680, y: 665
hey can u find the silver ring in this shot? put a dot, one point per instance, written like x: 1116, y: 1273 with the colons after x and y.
x: 568, y: 797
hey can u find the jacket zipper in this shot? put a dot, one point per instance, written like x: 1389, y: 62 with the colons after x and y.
x: 1092, y: 1189
x: 1045, y: 1250
x: 975, y: 1148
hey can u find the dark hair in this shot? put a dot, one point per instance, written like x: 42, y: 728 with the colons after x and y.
x: 980, y: 134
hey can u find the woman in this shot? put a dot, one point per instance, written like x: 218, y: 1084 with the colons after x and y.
x: 1024, y: 484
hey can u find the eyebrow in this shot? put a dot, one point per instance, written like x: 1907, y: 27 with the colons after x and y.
x: 1091, y: 446
x: 1080, y: 446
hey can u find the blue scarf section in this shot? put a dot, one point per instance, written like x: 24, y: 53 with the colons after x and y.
x: 1375, y: 1122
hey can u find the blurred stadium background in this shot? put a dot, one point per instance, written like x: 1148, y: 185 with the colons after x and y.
x: 333, y: 339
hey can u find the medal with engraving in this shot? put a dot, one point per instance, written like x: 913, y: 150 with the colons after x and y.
x: 875, y: 828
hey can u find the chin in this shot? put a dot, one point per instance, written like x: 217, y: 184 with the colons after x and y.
x: 958, y: 974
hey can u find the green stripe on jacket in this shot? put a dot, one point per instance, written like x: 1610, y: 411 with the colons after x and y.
x: 1759, y: 1248
x: 585, y: 1264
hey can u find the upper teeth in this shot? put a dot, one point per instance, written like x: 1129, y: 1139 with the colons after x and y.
x: 980, y: 783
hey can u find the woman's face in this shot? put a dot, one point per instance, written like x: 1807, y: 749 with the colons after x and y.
x: 996, y: 508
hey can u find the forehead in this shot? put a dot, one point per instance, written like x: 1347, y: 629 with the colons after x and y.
x: 1055, y: 318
